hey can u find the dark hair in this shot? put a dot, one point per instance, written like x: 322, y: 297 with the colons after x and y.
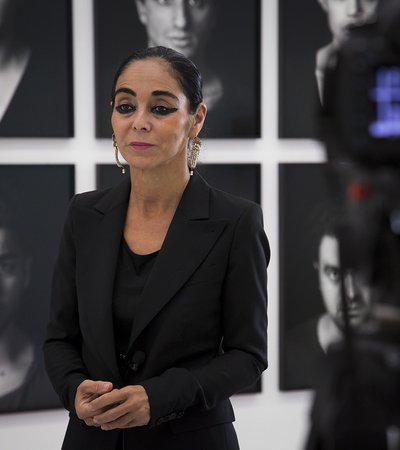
x: 185, y: 70
x: 324, y: 220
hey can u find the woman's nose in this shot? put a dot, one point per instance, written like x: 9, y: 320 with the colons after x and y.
x: 141, y: 121
x: 180, y: 14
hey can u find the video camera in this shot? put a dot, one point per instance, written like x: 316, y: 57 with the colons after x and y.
x: 357, y: 403
x: 360, y: 119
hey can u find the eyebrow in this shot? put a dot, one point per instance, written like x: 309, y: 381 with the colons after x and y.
x: 154, y: 93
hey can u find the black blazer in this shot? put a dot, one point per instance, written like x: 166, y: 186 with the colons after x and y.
x: 200, y: 334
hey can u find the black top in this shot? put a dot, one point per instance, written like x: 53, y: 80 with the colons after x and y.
x: 132, y: 273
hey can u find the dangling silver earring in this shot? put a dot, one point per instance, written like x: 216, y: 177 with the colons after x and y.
x: 116, y: 149
x: 194, y: 154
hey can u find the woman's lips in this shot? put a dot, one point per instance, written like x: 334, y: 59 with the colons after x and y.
x: 140, y: 145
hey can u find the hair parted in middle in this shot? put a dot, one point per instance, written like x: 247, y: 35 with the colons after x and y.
x: 187, y: 74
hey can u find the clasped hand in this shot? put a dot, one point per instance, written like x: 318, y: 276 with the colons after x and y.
x: 99, y: 405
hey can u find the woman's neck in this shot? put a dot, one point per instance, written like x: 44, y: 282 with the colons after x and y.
x: 155, y: 192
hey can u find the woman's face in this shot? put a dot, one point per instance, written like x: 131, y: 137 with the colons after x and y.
x: 14, y: 276
x: 183, y: 25
x: 151, y: 118
x: 343, y: 14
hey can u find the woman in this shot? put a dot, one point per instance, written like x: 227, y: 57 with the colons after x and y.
x: 23, y: 384
x: 159, y: 295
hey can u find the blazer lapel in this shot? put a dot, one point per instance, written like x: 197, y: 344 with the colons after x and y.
x: 189, y: 239
x: 102, y: 250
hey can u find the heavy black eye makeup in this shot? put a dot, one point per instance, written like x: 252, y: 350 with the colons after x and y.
x: 125, y: 99
x: 160, y: 110
x: 163, y: 110
x: 124, y: 108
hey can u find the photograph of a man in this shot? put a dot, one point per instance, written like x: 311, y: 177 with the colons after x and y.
x: 313, y: 273
x: 330, y: 325
x: 206, y: 31
x: 310, y: 33
x: 342, y: 16
x: 186, y: 26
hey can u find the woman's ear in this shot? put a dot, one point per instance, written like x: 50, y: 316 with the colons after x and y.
x: 198, y: 120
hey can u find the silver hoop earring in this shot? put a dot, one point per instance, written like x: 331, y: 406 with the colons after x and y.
x: 194, y: 154
x: 116, y: 150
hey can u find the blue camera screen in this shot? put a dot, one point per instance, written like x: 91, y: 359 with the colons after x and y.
x: 386, y: 98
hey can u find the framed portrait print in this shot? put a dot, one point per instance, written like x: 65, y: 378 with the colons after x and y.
x: 36, y: 69
x: 308, y: 254
x: 303, y: 29
x: 310, y: 33
x: 211, y: 33
x: 30, y: 231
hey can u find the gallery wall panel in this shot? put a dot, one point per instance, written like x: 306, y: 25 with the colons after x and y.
x: 33, y: 203
x: 214, y: 34
x: 303, y: 29
x: 36, y: 97
x: 308, y: 196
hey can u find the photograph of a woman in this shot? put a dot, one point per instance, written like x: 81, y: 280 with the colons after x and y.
x: 35, y: 68
x: 206, y: 31
x: 28, y: 233
x: 159, y: 300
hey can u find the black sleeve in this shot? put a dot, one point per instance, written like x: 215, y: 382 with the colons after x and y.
x: 62, y: 347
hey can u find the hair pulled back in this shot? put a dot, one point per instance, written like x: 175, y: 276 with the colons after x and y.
x: 186, y: 72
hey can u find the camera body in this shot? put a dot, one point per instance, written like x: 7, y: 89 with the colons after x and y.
x: 360, y: 117
x: 357, y: 401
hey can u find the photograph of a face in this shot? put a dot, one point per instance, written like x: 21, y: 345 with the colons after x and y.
x: 310, y: 33
x: 29, y: 239
x: 212, y: 33
x: 35, y: 68
x: 311, y: 273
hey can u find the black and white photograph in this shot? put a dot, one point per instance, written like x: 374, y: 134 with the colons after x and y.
x: 210, y: 32
x: 36, y: 98
x: 29, y: 238
x: 311, y: 273
x: 310, y: 33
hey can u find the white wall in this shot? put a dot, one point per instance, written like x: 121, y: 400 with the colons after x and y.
x: 271, y: 420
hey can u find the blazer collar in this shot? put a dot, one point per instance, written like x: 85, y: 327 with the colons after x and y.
x: 194, y: 203
x: 189, y: 239
x: 116, y: 196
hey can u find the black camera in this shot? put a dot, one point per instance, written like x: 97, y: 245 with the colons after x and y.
x: 360, y: 117
x: 357, y: 403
